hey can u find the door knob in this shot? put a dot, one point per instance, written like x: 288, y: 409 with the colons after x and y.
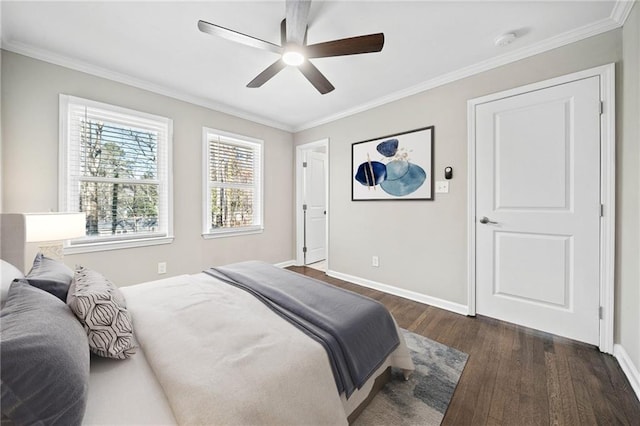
x: 485, y: 220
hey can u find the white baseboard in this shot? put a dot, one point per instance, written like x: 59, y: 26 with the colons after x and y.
x: 285, y: 264
x: 628, y: 367
x: 407, y: 294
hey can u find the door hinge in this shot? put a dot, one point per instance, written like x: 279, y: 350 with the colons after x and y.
x: 601, y: 210
x: 304, y: 249
x: 304, y: 164
x: 601, y: 107
x: 304, y: 207
x: 600, y: 312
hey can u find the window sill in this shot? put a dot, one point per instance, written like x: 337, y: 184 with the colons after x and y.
x: 233, y: 232
x: 116, y: 245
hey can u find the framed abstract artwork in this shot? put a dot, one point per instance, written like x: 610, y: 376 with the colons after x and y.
x: 393, y: 167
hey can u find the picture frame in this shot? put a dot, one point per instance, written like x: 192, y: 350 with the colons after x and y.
x: 397, y: 167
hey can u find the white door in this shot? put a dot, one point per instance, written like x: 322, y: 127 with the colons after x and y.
x: 538, y: 209
x: 316, y: 207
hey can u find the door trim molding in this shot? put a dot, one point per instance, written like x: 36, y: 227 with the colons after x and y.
x: 607, y: 189
x: 300, y: 149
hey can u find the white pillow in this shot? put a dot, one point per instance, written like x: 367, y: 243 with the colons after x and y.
x: 8, y: 273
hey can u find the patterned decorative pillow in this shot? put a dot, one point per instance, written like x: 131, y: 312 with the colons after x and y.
x: 101, y: 308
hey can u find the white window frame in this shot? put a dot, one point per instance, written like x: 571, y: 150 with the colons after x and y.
x: 165, y: 177
x: 258, y: 207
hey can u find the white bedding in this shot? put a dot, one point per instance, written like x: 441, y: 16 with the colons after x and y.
x: 213, y: 354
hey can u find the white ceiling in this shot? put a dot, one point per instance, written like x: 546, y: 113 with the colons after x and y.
x: 157, y: 46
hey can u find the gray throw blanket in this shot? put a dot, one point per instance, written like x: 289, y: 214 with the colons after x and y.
x: 358, y: 333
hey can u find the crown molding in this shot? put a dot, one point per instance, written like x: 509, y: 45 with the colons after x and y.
x: 581, y: 33
x: 77, y: 65
x: 621, y: 11
x: 618, y: 16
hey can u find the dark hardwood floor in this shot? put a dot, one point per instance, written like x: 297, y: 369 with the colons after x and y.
x: 515, y: 375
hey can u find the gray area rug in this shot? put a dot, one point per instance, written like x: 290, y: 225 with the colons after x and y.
x: 423, y: 400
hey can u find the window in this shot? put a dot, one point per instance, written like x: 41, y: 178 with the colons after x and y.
x: 115, y: 166
x: 232, y: 184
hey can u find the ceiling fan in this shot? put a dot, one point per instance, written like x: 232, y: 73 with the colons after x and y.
x: 294, y: 50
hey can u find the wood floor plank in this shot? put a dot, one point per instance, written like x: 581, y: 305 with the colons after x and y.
x: 418, y: 321
x: 515, y: 375
x: 553, y: 389
x: 516, y: 365
x: 569, y: 413
x: 584, y: 403
x: 486, y: 377
x: 506, y: 381
x: 533, y: 402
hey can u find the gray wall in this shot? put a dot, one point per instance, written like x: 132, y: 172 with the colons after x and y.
x: 628, y: 193
x: 30, y: 90
x: 423, y: 245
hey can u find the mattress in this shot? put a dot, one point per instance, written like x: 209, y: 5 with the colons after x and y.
x: 126, y: 392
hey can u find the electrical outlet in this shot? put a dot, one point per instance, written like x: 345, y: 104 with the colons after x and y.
x: 162, y: 267
x: 375, y: 261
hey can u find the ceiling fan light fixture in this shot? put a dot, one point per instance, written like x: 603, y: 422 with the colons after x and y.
x: 293, y: 57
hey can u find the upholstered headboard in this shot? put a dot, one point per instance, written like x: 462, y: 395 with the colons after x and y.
x: 13, y: 247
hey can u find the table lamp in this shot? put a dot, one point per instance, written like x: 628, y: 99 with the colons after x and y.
x: 51, y: 229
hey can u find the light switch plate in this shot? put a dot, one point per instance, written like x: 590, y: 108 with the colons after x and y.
x: 442, y: 186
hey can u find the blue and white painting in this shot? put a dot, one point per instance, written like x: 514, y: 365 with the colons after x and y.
x: 395, y: 167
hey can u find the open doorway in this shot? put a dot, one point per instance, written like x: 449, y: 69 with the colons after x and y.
x: 312, y: 204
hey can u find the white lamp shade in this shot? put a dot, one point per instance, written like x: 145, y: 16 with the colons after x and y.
x: 54, y: 226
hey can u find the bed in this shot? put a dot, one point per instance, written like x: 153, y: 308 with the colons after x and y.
x: 210, y: 352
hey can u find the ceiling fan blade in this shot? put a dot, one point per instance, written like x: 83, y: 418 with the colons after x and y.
x: 347, y: 46
x: 316, y: 78
x: 297, y: 14
x: 265, y: 75
x: 217, y: 30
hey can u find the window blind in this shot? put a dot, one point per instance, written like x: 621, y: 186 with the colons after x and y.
x: 117, y: 170
x: 233, y: 179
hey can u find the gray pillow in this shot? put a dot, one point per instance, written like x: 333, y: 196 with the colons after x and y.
x: 101, y: 308
x: 45, y: 359
x: 50, y: 275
